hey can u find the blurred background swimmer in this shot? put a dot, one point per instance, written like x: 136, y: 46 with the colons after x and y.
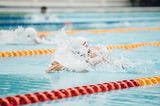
x: 43, y: 9
x: 22, y: 36
x: 43, y: 16
x: 76, y: 56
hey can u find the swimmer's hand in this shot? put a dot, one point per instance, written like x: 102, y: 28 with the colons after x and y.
x: 55, y: 66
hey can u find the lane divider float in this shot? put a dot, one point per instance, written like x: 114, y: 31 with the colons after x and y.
x: 77, y: 23
x: 50, y: 51
x: 105, y: 30
x: 26, y: 52
x: 22, y: 99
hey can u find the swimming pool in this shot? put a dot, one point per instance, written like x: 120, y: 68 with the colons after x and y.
x: 21, y: 75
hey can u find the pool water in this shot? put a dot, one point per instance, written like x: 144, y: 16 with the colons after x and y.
x: 82, y: 20
x: 21, y: 75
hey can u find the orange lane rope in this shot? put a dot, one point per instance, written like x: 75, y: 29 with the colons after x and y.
x: 105, y: 30
x: 30, y: 98
x: 50, y: 51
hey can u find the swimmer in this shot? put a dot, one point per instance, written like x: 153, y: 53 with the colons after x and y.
x: 44, y: 16
x: 43, y: 9
x: 22, y: 36
x: 90, y: 56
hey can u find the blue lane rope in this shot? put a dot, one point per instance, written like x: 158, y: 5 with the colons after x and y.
x: 63, y: 16
x: 14, y: 18
x: 74, y: 23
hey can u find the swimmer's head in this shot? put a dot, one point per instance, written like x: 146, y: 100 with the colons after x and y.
x: 43, y: 9
x: 79, y: 46
x: 79, y: 42
x: 27, y: 36
x: 30, y: 32
x: 30, y: 35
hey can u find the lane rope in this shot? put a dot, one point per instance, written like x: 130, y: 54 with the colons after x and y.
x: 50, y: 51
x: 36, y: 97
x: 105, y: 30
x: 77, y: 23
x: 79, y: 16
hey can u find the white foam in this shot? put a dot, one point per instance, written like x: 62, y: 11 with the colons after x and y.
x: 18, y: 36
x: 64, y: 55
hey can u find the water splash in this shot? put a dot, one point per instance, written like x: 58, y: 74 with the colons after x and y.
x: 18, y: 36
x: 78, y: 59
x: 64, y: 53
x: 67, y: 55
x: 23, y: 36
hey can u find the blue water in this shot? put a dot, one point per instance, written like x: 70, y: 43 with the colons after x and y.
x: 85, y: 21
x: 20, y: 75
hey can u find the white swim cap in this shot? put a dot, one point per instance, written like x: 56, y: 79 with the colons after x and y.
x: 26, y: 36
x: 79, y: 42
x: 31, y: 31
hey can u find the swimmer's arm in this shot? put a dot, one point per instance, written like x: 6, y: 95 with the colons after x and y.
x: 94, y: 63
x: 42, y: 36
x: 44, y: 40
x: 104, y: 59
x: 53, y: 68
x: 94, y: 55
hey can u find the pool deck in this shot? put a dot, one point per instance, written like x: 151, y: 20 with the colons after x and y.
x: 72, y: 6
x: 80, y: 9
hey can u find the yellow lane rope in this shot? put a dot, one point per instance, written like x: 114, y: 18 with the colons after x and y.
x: 105, y: 30
x: 149, y: 81
x: 132, y: 46
x: 50, y: 51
